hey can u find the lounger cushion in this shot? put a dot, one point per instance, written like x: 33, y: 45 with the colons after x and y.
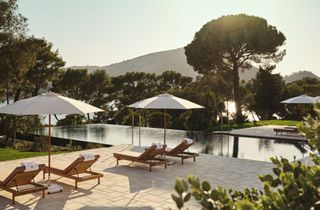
x: 78, y: 161
x: 19, y: 177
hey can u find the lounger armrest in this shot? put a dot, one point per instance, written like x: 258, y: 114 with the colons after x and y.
x: 54, y: 170
x: 121, y: 156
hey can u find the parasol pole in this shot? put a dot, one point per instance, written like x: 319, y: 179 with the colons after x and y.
x: 49, y: 148
x: 139, y: 129
x: 132, y: 121
x: 165, y: 126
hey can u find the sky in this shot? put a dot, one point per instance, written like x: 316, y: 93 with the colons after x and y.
x: 102, y: 32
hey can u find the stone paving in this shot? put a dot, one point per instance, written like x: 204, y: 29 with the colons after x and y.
x: 267, y: 132
x: 132, y: 186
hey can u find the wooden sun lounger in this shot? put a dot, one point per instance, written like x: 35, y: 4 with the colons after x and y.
x: 18, y: 178
x: 287, y: 130
x: 180, y: 151
x: 76, y: 169
x: 149, y: 157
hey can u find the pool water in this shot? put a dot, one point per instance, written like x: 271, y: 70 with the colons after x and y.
x: 209, y: 143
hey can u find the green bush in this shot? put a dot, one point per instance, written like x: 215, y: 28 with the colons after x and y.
x: 93, y: 146
x: 311, y: 128
x: 292, y: 186
x: 23, y: 145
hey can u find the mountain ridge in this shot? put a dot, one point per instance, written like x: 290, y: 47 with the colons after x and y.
x: 175, y: 59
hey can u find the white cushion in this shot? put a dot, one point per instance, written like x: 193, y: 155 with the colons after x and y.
x: 87, y: 156
x: 158, y: 145
x: 30, y: 166
x: 189, y: 141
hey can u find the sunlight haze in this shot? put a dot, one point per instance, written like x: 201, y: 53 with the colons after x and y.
x: 100, y: 32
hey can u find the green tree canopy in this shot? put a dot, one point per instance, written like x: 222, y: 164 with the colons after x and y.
x: 97, y: 88
x: 267, y: 93
x: 12, y: 23
x: 308, y: 86
x: 232, y: 44
x: 16, y: 58
x: 133, y: 86
x: 47, y: 65
x: 172, y: 79
x: 71, y: 83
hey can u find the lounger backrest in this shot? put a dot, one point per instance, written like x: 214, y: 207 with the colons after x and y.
x: 21, y: 177
x: 181, y: 147
x: 79, y: 165
x: 147, y: 154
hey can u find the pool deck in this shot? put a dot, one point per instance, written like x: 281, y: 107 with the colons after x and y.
x: 132, y: 186
x: 266, y: 132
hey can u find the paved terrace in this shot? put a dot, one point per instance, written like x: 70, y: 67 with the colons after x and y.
x: 132, y: 187
x: 265, y: 132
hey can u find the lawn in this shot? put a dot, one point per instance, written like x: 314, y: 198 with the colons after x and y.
x: 274, y: 122
x: 258, y: 123
x: 12, y: 154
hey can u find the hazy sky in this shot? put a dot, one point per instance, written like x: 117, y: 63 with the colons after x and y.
x: 101, y: 32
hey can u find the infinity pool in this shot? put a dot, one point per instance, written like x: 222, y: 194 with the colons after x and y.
x: 209, y: 143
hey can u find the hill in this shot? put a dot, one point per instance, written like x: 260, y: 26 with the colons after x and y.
x: 299, y: 75
x: 157, y: 63
x: 175, y: 60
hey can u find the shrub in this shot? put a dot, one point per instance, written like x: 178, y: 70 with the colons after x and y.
x: 293, y: 186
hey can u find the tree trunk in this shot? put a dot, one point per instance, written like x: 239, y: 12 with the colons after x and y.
x: 236, y: 95
x: 17, y: 95
x: 36, y: 90
x: 7, y: 93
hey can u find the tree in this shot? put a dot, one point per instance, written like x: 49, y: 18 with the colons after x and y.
x: 97, y: 88
x: 172, y: 79
x: 267, y: 90
x: 12, y: 24
x: 16, y: 58
x: 308, y: 86
x: 12, y: 28
x: 71, y: 83
x: 46, y: 67
x: 72, y: 119
x: 232, y: 44
x: 201, y: 118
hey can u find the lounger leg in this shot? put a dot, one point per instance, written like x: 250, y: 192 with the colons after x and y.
x: 117, y: 161
x: 76, y: 184
x: 13, y: 199
x: 43, y: 194
x: 181, y: 161
x: 150, y: 167
x: 165, y: 165
x: 43, y: 174
x: 98, y: 180
x: 194, y: 159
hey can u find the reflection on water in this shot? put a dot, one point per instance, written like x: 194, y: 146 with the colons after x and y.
x: 222, y: 145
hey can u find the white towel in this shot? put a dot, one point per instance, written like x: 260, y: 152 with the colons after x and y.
x: 189, y: 141
x: 158, y: 145
x: 30, y: 166
x: 87, y: 156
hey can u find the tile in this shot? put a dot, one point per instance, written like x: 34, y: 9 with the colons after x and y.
x: 124, y: 187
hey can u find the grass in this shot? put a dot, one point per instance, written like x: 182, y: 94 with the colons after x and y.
x: 12, y: 154
x: 258, y: 123
x: 274, y: 122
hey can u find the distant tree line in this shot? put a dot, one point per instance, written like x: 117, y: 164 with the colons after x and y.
x: 29, y: 64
